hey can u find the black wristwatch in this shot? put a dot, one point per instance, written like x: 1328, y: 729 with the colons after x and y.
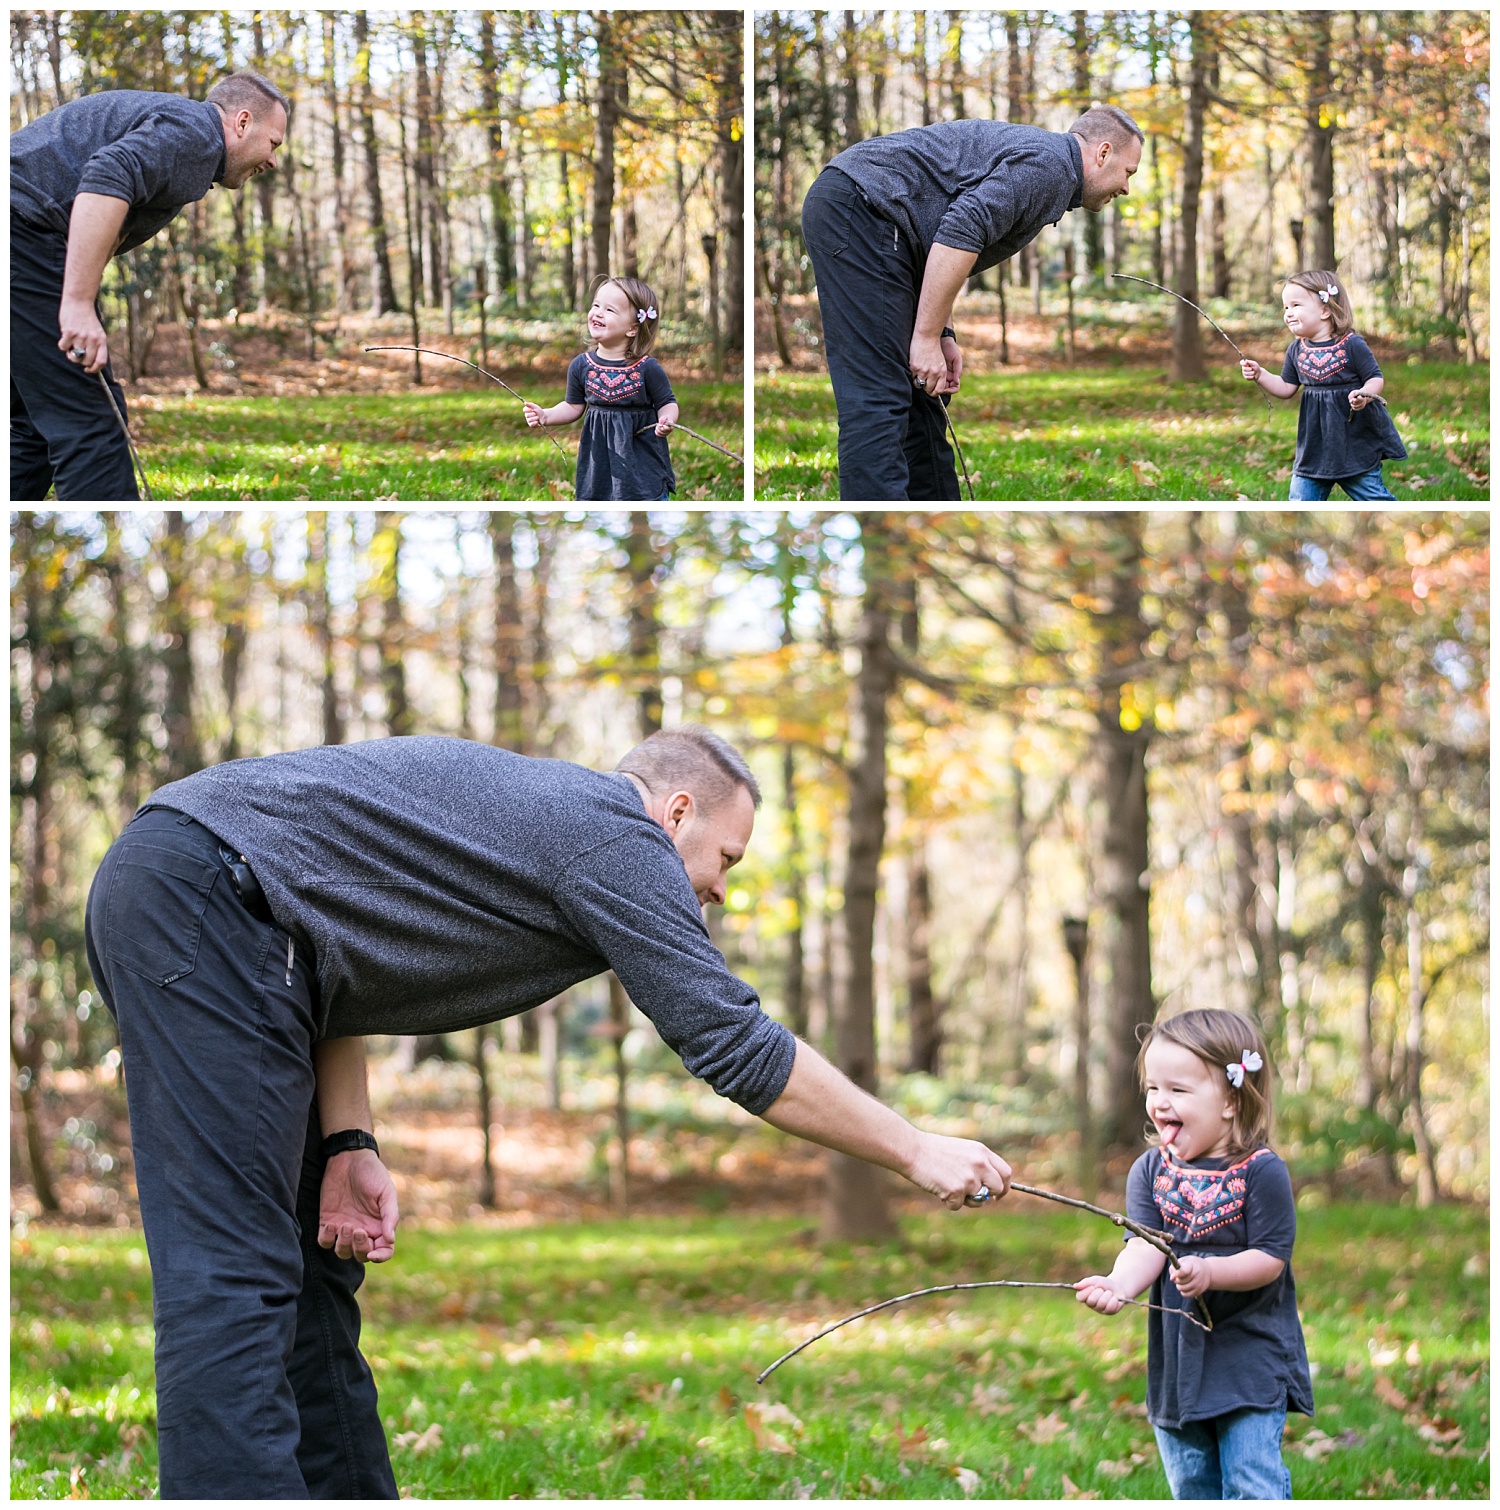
x: 949, y: 331
x: 349, y: 1141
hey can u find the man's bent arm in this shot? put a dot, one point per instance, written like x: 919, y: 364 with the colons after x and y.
x: 93, y: 234
x: 947, y: 270
x: 826, y: 1107
x: 357, y: 1212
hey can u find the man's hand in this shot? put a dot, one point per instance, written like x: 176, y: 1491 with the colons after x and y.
x: 357, y: 1207
x: 955, y: 1168
x: 929, y: 363
x: 954, y: 361
x: 81, y: 331
x: 1191, y: 1277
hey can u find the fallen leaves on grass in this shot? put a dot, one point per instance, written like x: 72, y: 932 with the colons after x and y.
x: 759, y: 1418
x: 968, y: 1479
x: 912, y: 1446
x: 1388, y: 1394
x: 420, y: 1441
x: 1044, y: 1429
x: 1071, y: 1491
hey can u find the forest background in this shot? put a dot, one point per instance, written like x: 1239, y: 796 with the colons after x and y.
x: 1275, y: 140
x: 454, y: 179
x: 1030, y: 779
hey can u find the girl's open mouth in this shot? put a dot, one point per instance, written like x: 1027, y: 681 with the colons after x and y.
x: 1168, y: 1130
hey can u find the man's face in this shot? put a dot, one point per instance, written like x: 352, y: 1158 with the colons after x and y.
x: 250, y: 143
x: 1107, y: 170
x: 710, y: 841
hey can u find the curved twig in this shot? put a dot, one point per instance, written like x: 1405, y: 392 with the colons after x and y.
x: 1129, y: 278
x: 954, y: 434
x: 433, y: 352
x: 125, y: 429
x: 1158, y: 1240
x: 706, y: 441
x: 983, y: 1284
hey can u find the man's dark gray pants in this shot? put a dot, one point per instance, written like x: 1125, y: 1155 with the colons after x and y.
x: 261, y: 1389
x: 892, y: 440
x: 63, y: 434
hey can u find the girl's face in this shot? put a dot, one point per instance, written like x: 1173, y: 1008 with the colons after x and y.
x: 612, y: 319
x: 1306, y: 315
x: 1190, y: 1103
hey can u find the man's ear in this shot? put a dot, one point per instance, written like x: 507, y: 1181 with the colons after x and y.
x: 678, y: 807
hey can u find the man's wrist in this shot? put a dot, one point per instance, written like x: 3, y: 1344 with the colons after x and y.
x: 949, y: 334
x: 351, y: 1140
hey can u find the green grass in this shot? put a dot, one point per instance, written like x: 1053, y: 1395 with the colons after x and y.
x: 619, y: 1359
x: 438, y: 444
x: 1126, y: 433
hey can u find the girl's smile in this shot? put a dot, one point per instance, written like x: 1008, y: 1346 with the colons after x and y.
x: 1305, y: 314
x: 612, y: 318
x: 1190, y: 1103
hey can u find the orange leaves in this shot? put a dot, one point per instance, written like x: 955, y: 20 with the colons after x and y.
x: 761, y: 1419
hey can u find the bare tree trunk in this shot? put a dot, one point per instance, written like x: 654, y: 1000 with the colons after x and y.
x: 849, y: 44
x: 1428, y: 1191
x: 341, y: 268
x: 1320, y: 128
x: 488, y: 1194
x: 619, y: 1025
x: 732, y: 175
x: 184, y: 753
x: 1187, y: 338
x: 856, y: 1205
x: 606, y: 115
x: 322, y: 618
x: 1124, y: 871
x: 510, y: 722
x: 426, y: 237
x: 399, y: 717
x: 382, y: 287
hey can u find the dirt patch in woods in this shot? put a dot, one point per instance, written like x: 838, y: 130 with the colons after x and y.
x: 270, y: 358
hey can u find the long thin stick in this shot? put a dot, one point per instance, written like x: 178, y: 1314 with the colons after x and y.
x: 433, y: 352
x: 954, y: 435
x: 706, y: 441
x: 983, y: 1284
x: 125, y: 429
x: 1156, y: 1239
x: 1129, y: 278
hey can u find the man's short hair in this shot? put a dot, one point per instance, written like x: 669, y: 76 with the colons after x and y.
x: 692, y: 759
x: 1106, y: 123
x: 248, y: 91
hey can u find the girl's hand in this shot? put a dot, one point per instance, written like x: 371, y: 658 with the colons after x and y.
x: 1251, y: 371
x: 665, y: 426
x: 1099, y: 1294
x: 1359, y: 399
x: 1191, y: 1277
x: 535, y: 414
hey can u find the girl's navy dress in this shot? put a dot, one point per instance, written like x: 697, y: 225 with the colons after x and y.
x: 620, y: 399
x: 1333, y: 440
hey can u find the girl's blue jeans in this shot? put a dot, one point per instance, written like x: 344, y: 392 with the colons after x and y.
x: 1364, y: 488
x: 1233, y: 1457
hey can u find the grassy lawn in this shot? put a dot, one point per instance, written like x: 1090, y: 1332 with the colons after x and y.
x: 438, y: 444
x: 619, y: 1359
x: 1125, y: 433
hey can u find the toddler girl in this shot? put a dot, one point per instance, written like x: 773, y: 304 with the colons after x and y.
x: 1218, y: 1400
x: 1343, y: 430
x: 623, y: 391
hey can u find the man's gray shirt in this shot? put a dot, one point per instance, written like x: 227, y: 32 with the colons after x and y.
x: 157, y: 152
x: 979, y: 186
x: 441, y: 883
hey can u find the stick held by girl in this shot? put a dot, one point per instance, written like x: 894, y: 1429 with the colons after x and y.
x: 620, y: 389
x: 1344, y: 432
x: 1217, y: 1400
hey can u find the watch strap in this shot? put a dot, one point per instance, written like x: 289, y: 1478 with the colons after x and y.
x: 348, y: 1141
x: 949, y: 331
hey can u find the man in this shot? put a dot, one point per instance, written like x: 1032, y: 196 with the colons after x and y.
x: 894, y: 226
x: 256, y: 917
x: 89, y: 180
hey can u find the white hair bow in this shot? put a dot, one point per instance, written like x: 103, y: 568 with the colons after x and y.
x: 1323, y: 293
x: 1249, y: 1060
x: 642, y: 315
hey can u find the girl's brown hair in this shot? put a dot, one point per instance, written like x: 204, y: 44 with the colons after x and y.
x: 643, y: 303
x: 1319, y: 282
x: 1220, y: 1039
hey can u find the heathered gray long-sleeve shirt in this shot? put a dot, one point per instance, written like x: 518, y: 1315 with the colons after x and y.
x: 157, y: 152
x: 441, y: 883
x: 980, y: 186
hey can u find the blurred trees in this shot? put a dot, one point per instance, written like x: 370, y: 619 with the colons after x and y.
x: 1250, y: 749
x: 1274, y: 141
x: 434, y: 158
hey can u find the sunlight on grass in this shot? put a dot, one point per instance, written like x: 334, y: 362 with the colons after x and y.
x: 1125, y: 433
x: 614, y: 1359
